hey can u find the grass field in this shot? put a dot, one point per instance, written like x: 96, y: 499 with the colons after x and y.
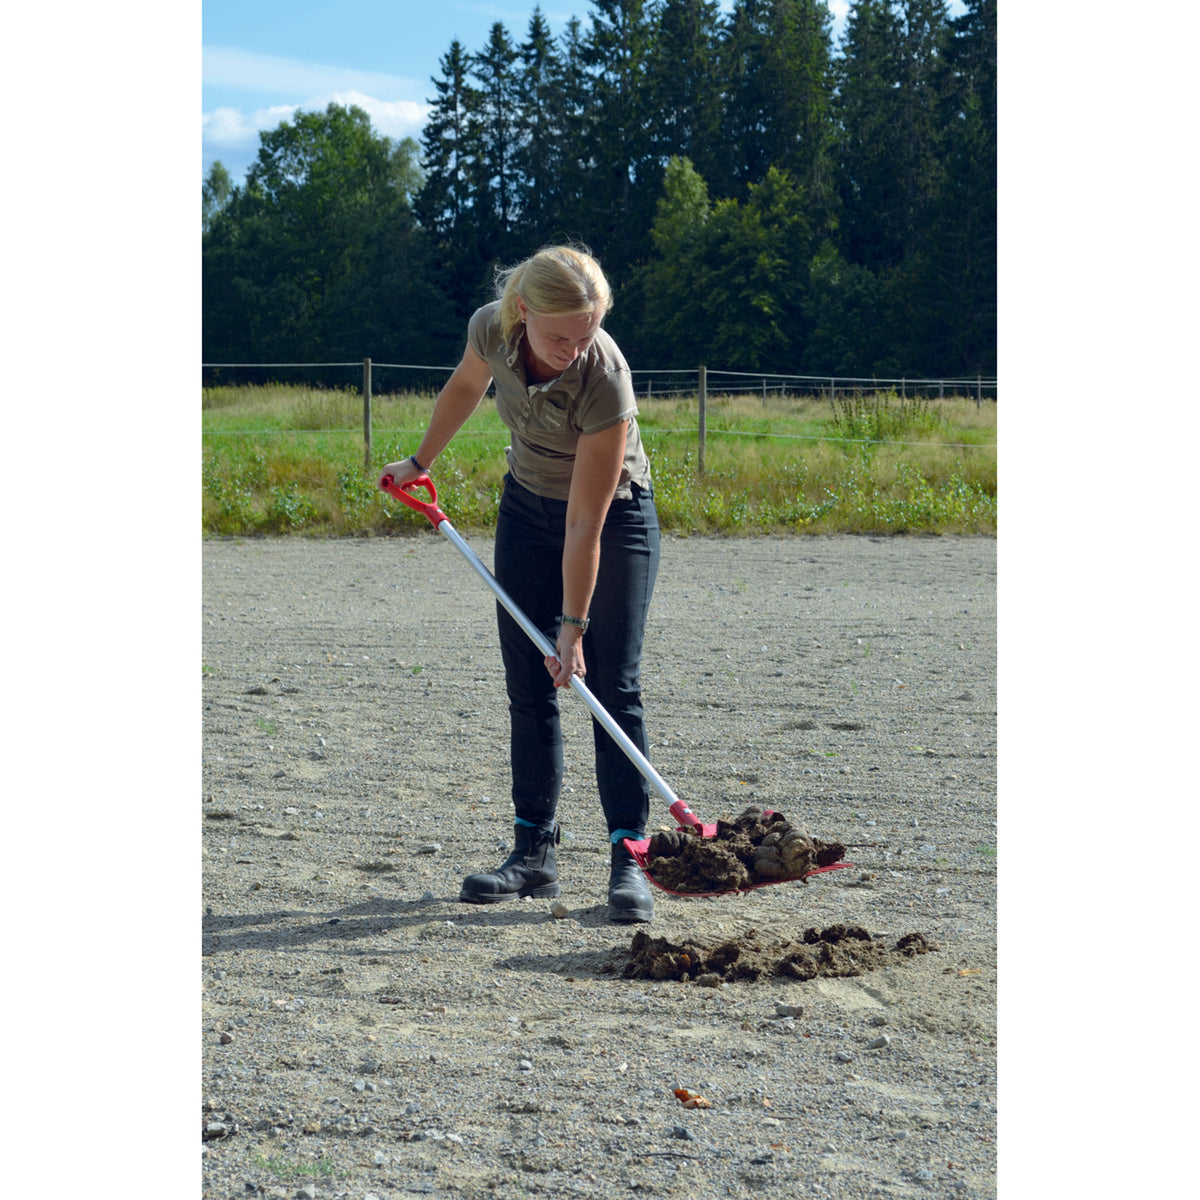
x: 281, y: 459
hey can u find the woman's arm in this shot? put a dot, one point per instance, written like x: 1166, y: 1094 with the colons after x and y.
x: 457, y: 400
x: 598, y: 459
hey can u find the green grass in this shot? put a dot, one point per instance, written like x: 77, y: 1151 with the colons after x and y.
x: 283, y: 460
x: 282, y: 1168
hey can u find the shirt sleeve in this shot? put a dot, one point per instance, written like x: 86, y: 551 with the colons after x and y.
x: 477, y: 332
x: 608, y: 401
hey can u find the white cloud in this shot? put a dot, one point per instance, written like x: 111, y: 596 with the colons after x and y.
x: 395, y: 105
x: 390, y: 118
x: 241, y: 70
x: 232, y: 128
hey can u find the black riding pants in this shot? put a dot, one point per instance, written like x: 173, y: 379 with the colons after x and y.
x: 530, y: 533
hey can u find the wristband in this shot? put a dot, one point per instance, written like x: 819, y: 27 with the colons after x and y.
x: 412, y: 458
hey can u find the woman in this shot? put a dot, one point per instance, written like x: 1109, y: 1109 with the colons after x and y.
x: 577, y: 548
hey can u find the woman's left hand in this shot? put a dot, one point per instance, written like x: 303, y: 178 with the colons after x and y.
x: 570, y: 657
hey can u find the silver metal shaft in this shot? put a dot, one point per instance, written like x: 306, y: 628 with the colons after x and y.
x: 547, y: 648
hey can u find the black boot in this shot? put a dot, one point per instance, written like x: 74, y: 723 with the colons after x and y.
x: 528, y: 871
x: 629, y: 898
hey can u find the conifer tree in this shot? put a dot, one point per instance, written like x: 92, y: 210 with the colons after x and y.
x: 683, y: 85
x: 623, y: 176
x: 495, y: 186
x: 451, y: 145
x: 541, y: 133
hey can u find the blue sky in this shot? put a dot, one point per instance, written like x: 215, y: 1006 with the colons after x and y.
x: 264, y: 59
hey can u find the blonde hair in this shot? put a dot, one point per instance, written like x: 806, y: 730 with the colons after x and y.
x: 557, y: 281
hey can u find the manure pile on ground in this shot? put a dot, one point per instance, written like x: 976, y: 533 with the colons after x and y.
x: 839, y: 950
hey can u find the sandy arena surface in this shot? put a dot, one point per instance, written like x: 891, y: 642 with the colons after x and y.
x: 365, y: 1034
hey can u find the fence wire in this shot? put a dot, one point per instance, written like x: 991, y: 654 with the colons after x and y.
x: 649, y: 383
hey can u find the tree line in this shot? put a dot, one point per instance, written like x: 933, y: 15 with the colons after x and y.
x: 760, y: 199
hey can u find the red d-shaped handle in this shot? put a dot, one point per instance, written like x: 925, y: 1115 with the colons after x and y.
x: 403, y: 493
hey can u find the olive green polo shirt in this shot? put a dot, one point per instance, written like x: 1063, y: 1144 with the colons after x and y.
x: 547, y: 419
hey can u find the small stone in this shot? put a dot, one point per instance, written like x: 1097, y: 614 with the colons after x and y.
x: 880, y: 1043
x: 829, y: 1148
x: 844, y: 1056
x: 683, y: 1133
x: 558, y: 910
x: 924, y: 1174
x: 525, y: 1065
x: 877, y: 1019
x: 226, y: 1037
x: 788, y: 1010
x: 710, y: 979
x: 430, y: 848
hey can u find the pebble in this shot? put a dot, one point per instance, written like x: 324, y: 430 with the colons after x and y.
x: 558, y: 910
x: 430, y: 848
x: 788, y: 1010
x: 877, y: 1019
x: 844, y: 1056
x: 880, y: 1043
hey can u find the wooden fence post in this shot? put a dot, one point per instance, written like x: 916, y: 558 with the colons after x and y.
x: 703, y: 395
x: 978, y: 391
x: 366, y: 394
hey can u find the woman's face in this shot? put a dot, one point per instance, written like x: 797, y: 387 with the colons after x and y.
x: 556, y: 342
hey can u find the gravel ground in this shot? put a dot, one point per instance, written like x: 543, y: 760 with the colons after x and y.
x: 365, y: 1034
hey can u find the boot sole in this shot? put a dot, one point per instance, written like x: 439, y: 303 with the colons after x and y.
x: 545, y: 892
x: 630, y: 916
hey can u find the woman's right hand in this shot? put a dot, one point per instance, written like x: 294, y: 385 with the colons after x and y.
x: 401, y: 472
